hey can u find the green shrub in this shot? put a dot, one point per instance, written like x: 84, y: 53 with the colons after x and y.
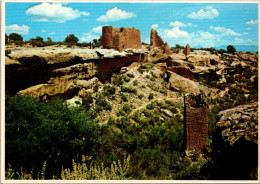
x: 128, y: 89
x: 14, y: 37
x: 150, y: 97
x: 135, y: 82
x: 130, y: 75
x: 126, y: 79
x: 109, y: 90
x: 125, y: 110
x: 7, y: 52
x: 87, y: 101
x: 71, y: 39
x: 111, y: 120
x: 145, y: 67
x: 124, y: 98
x: 52, y: 132
x: 163, y: 91
x: 231, y: 49
x: 140, y: 96
x: 150, y: 106
x: 117, y: 80
x: 152, y: 79
x: 102, y: 103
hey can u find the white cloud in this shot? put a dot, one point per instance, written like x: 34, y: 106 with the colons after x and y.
x: 84, y: 13
x: 177, y: 24
x: 56, y: 12
x: 88, y: 37
x: 252, y: 22
x: 190, y: 24
x: 225, y: 31
x: 115, y: 14
x: 154, y: 26
x: 206, y: 35
x: 242, y: 41
x: 245, y: 33
x: 51, y: 33
x: 15, y: 28
x: 175, y: 32
x: 44, y: 31
x: 210, y: 13
x: 180, y: 24
x: 248, y: 28
x: 97, y: 29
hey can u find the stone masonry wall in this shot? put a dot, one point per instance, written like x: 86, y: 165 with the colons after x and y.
x: 120, y: 38
x: 196, y: 127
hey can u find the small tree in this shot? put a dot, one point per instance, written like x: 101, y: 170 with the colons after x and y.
x: 15, y: 37
x: 39, y: 39
x: 71, y: 39
x: 231, y: 49
x: 49, y: 41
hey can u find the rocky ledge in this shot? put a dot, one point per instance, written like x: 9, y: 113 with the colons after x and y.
x: 240, y: 121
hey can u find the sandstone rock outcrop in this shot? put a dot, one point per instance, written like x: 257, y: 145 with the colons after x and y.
x: 235, y: 144
x: 180, y: 83
x: 120, y: 38
x: 60, y: 71
x: 186, y: 51
x: 62, y: 83
x: 240, y: 121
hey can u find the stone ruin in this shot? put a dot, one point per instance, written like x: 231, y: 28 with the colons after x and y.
x: 156, y: 41
x: 124, y: 38
x: 120, y: 38
x: 195, y: 122
x: 186, y: 51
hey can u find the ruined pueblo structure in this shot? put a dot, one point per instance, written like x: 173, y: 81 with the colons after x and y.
x: 120, y: 38
x: 195, y: 119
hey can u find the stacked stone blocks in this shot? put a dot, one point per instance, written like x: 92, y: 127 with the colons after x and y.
x: 120, y: 38
x: 196, y: 127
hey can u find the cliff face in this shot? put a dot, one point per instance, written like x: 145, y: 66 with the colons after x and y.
x: 49, y: 72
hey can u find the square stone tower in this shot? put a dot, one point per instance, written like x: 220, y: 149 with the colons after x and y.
x: 195, y: 119
x: 120, y: 38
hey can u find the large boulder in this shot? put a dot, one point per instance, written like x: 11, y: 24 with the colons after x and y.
x: 182, y: 84
x: 199, y: 60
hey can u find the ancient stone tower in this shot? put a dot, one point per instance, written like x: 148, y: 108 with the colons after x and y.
x: 120, y: 38
x: 195, y: 119
x: 156, y: 41
x: 186, y: 51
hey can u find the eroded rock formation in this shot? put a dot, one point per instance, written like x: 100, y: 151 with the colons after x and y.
x: 50, y: 72
x: 238, y: 122
x: 120, y: 38
x: 179, y: 83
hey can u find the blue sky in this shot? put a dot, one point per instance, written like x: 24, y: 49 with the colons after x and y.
x: 199, y: 24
